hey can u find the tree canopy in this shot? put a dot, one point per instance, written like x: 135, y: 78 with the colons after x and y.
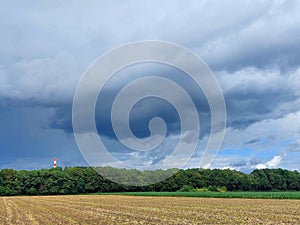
x: 79, y: 180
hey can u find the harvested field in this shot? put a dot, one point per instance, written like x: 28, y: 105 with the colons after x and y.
x: 117, y: 209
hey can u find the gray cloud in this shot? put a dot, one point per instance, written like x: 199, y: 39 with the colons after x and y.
x: 49, y: 64
x: 251, y: 141
x: 294, y: 147
x: 253, y: 95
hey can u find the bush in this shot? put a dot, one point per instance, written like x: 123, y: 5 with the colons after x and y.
x: 186, y: 188
x: 222, y: 189
x: 213, y: 188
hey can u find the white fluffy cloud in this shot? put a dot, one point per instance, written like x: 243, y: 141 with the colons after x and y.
x: 273, y: 163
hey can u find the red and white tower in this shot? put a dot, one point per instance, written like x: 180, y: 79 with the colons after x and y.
x: 54, y: 162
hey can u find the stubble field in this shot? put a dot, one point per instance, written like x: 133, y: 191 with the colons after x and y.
x: 115, y: 209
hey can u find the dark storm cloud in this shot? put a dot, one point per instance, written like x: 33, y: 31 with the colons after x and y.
x: 145, y: 109
x: 62, y: 118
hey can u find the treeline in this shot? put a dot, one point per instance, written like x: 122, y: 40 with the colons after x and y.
x: 79, y: 180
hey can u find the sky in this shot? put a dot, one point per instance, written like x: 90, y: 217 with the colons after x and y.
x: 252, y: 47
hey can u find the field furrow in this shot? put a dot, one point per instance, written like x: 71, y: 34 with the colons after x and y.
x: 15, y: 214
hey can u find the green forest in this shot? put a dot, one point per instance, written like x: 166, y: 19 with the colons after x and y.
x: 80, y: 180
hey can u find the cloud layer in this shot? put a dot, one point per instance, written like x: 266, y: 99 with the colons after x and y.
x: 252, y: 47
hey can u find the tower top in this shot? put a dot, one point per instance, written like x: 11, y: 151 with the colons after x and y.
x: 54, y: 162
